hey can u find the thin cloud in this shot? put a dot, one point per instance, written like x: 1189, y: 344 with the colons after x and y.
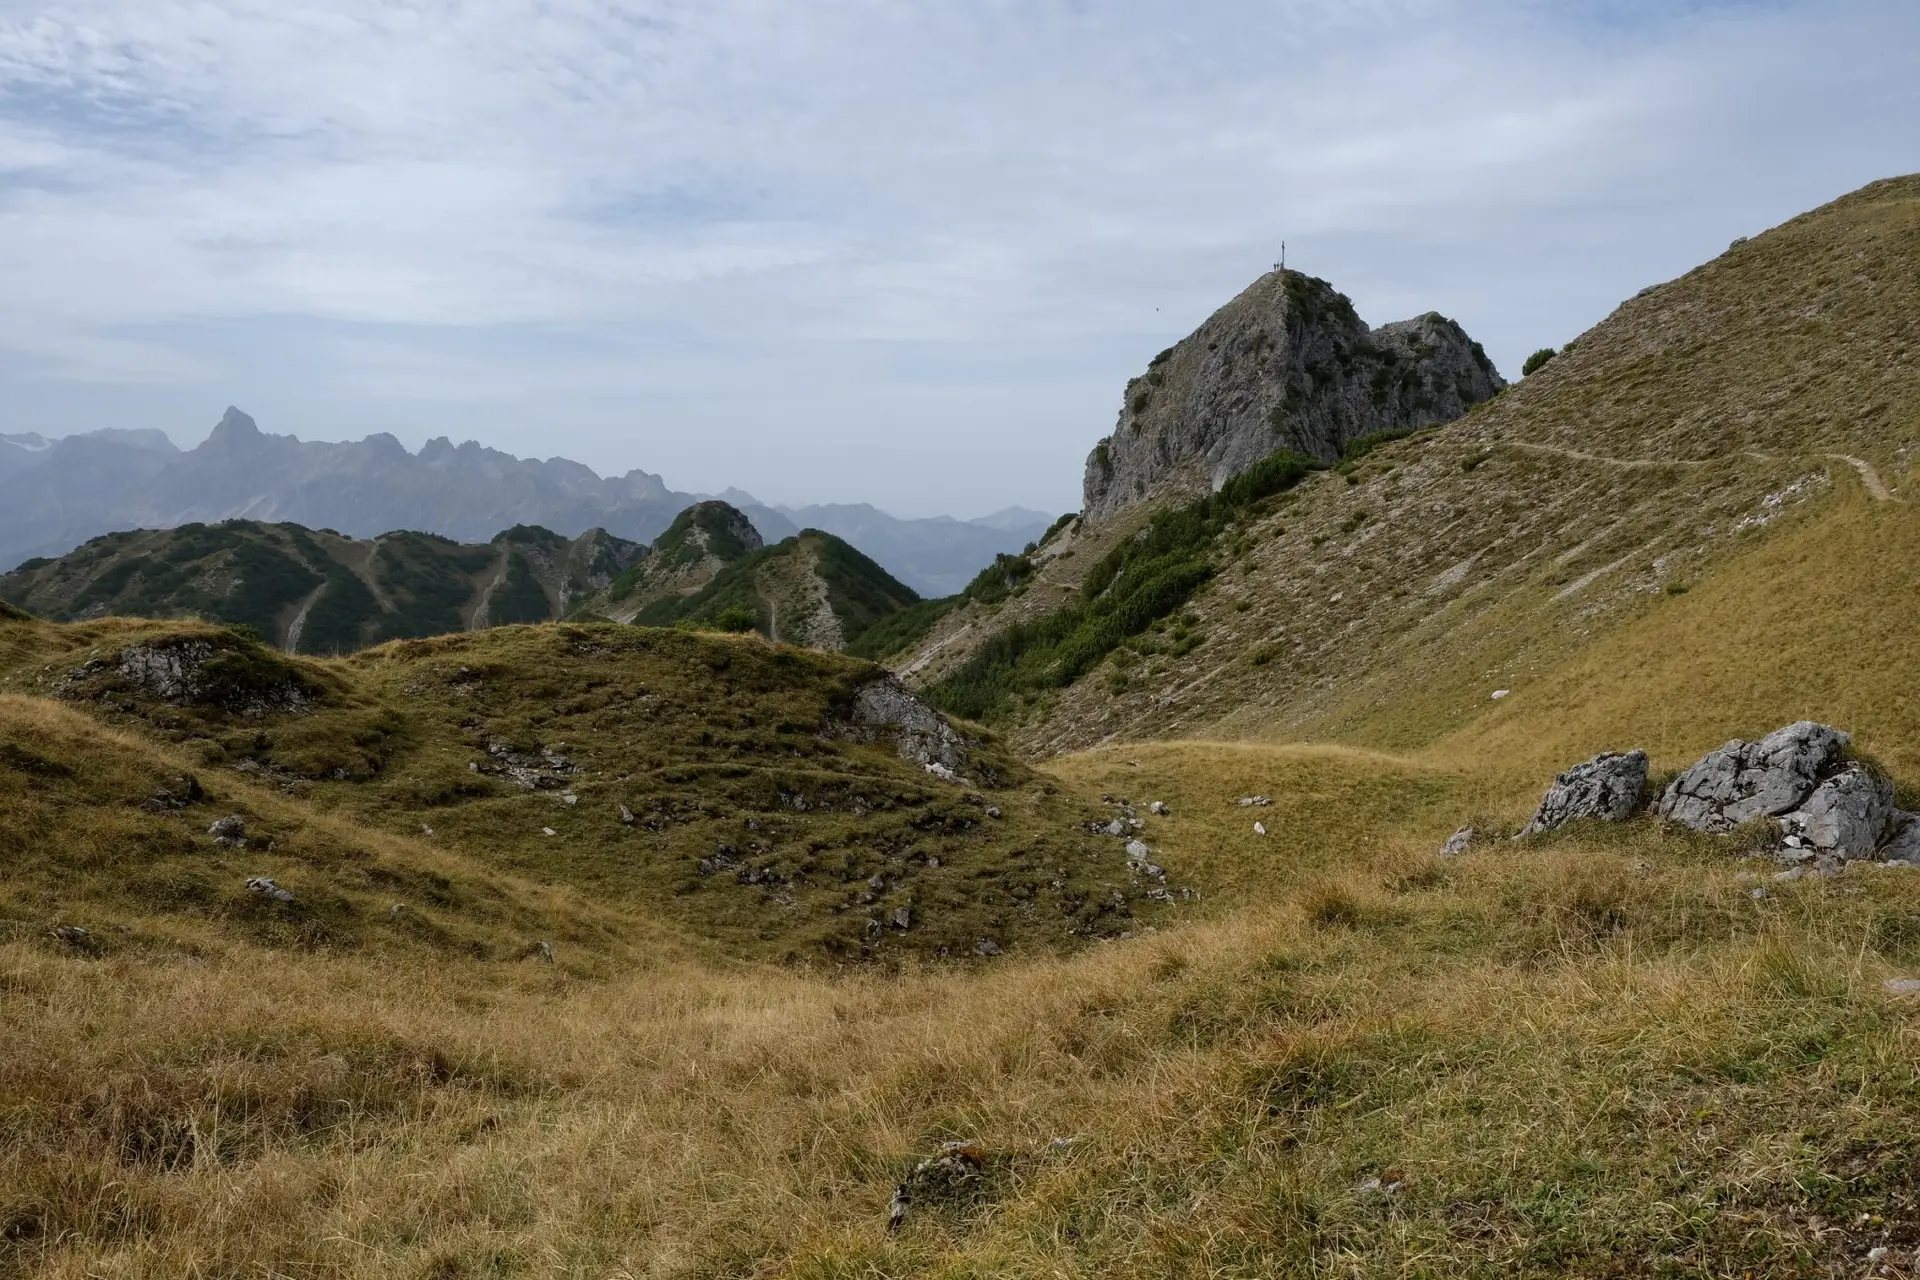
x: 856, y: 249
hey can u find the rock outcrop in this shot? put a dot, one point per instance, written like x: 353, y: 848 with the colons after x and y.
x: 1848, y: 816
x: 1746, y: 780
x: 887, y: 708
x: 1286, y: 365
x: 1608, y: 787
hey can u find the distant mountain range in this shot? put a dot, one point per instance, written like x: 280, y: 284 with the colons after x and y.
x: 57, y: 494
x: 317, y: 591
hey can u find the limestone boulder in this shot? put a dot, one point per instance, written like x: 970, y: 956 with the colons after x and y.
x: 1609, y: 787
x: 1746, y: 780
x: 1849, y: 815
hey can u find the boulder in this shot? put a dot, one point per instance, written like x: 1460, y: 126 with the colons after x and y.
x: 1746, y: 780
x: 266, y: 888
x: 1458, y: 843
x: 1608, y: 787
x: 1849, y: 815
x: 887, y: 708
x: 229, y: 832
x: 1904, y: 844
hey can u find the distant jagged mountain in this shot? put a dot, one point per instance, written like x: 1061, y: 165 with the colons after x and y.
x: 812, y: 589
x: 83, y: 486
x: 701, y: 542
x: 309, y: 591
x: 56, y: 495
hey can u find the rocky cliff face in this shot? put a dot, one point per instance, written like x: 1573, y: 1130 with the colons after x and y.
x: 1287, y: 364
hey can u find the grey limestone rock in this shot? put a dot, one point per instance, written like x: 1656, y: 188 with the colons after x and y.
x: 1458, y: 843
x: 887, y: 707
x: 1608, y: 787
x: 1285, y: 365
x: 1848, y: 815
x: 1904, y: 844
x: 1746, y: 780
x: 229, y: 832
x: 266, y: 888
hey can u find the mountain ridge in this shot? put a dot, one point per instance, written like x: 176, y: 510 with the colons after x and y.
x: 56, y: 495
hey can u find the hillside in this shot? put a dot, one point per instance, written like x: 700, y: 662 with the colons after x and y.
x: 775, y: 799
x: 1286, y: 369
x: 1384, y: 601
x: 308, y: 591
x: 702, y: 540
x: 812, y: 589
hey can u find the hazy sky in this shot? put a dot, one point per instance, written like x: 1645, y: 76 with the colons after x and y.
x: 898, y: 251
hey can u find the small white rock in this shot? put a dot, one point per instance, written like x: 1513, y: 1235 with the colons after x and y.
x: 1158, y: 808
x: 1500, y: 693
x: 1876, y: 1253
x: 1259, y: 828
x: 569, y: 798
x: 1903, y: 986
x: 548, y: 831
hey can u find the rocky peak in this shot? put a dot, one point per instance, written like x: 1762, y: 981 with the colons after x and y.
x: 234, y: 427
x: 1287, y: 364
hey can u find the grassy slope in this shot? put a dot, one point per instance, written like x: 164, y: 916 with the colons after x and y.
x: 1592, y: 1055
x: 1705, y: 418
x: 702, y: 540
x: 722, y: 749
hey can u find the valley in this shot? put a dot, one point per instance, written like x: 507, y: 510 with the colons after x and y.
x: 679, y: 929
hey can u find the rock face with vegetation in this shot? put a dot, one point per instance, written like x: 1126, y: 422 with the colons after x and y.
x: 316, y: 591
x: 701, y: 542
x: 1286, y: 365
x: 812, y: 589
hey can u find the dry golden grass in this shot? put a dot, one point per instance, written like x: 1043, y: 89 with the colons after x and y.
x: 1593, y: 1055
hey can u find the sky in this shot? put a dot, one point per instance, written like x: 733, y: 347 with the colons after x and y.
x: 905, y: 252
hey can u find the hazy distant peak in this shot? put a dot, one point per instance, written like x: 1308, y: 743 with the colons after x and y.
x: 234, y: 424
x: 31, y: 441
x: 148, y: 438
x: 1012, y: 518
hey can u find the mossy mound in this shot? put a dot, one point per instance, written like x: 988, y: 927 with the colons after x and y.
x: 740, y: 791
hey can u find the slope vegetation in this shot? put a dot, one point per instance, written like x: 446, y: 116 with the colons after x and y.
x: 1386, y: 601
x: 812, y: 589
x: 701, y: 542
x: 776, y: 801
x: 1613, y: 1050
x: 310, y: 591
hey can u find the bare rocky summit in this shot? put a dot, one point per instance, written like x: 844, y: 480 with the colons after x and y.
x: 1286, y: 365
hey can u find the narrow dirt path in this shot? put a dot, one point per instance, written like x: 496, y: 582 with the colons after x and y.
x: 478, y: 621
x: 1876, y: 487
x: 299, y: 622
